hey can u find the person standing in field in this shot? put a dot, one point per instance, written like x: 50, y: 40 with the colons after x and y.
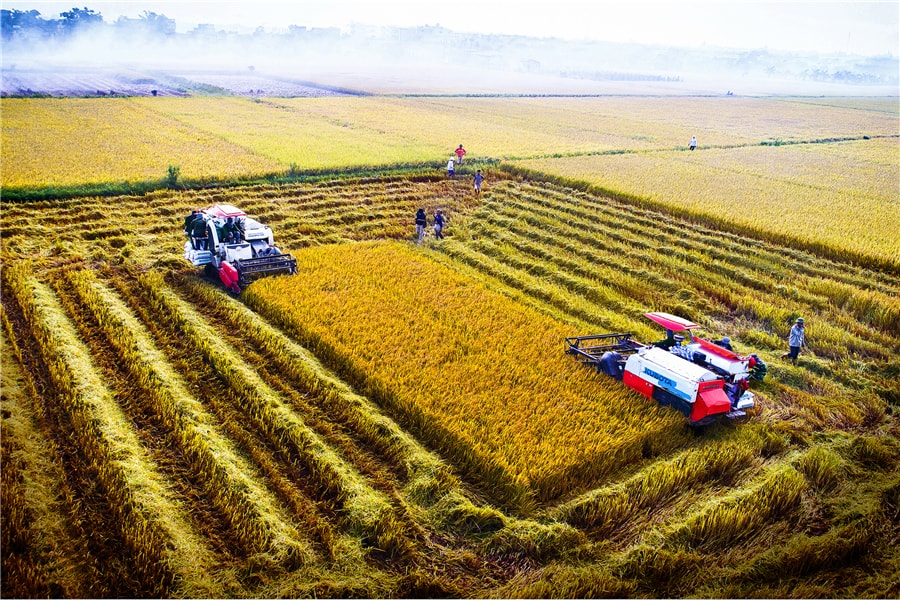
x: 796, y: 339
x: 693, y: 143
x: 189, y: 219
x: 451, y: 170
x: 439, y: 225
x: 478, y: 179
x: 198, y: 232
x: 460, y: 152
x: 421, y: 223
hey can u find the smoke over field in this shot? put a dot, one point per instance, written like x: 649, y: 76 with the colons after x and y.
x: 137, y: 57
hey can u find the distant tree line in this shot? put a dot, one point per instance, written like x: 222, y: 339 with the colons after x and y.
x: 29, y: 24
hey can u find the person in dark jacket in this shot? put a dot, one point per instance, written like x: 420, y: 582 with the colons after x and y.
x: 439, y: 224
x: 198, y: 232
x: 190, y: 219
x: 421, y: 223
x: 725, y: 342
x: 232, y: 230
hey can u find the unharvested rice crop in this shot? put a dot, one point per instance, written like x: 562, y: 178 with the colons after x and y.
x: 297, y: 134
x: 76, y: 141
x: 843, y: 195
x: 460, y: 361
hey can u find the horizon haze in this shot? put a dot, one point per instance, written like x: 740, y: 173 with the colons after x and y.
x: 867, y: 28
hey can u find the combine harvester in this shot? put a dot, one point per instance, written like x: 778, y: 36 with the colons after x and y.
x: 239, y: 249
x: 700, y: 378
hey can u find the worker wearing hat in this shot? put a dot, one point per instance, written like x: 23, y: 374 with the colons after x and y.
x: 725, y: 342
x: 795, y: 341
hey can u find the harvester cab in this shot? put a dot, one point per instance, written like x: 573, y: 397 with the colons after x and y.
x: 238, y: 248
x: 700, y: 378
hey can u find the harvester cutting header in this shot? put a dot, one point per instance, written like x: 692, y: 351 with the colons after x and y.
x: 702, y: 379
x: 239, y: 248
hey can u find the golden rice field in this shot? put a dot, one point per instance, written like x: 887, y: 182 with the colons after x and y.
x: 400, y: 420
x: 511, y: 409
x: 844, y: 194
x: 72, y: 141
x: 840, y: 152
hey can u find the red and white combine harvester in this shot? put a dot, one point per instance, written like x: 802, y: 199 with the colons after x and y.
x: 237, y: 248
x: 702, y: 379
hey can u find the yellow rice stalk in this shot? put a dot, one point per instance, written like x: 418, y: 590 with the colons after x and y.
x: 292, y: 135
x: 739, y: 517
x: 71, y: 141
x: 678, y: 261
x: 728, y: 185
x: 428, y: 475
x: 36, y: 514
x: 607, y: 508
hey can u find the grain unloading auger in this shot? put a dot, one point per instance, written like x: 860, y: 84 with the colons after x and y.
x: 700, y: 378
x: 238, y: 248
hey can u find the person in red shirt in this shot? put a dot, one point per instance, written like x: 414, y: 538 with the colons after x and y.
x: 460, y: 152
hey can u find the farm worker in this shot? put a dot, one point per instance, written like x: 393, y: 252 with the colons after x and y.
x: 450, y: 168
x: 439, y: 225
x: 693, y: 143
x: 668, y: 342
x: 232, y: 230
x: 421, y: 222
x: 725, y: 342
x: 796, y: 339
x: 198, y: 231
x: 460, y: 152
x: 478, y: 179
x: 188, y: 220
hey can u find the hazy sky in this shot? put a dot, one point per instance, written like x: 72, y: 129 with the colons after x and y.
x: 863, y: 27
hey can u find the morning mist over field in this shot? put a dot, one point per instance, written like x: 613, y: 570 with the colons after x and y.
x: 273, y: 48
